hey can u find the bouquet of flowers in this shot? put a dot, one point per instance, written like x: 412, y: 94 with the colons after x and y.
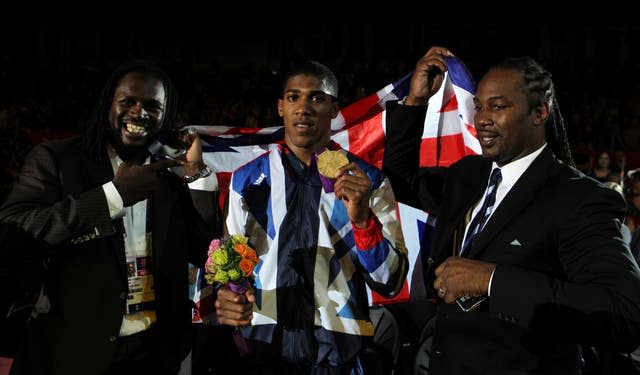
x: 230, y: 262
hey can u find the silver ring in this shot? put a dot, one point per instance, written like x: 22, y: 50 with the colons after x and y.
x: 442, y: 291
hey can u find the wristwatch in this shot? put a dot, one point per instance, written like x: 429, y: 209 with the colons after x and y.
x: 204, y: 172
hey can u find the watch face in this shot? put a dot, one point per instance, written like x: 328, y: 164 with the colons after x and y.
x: 470, y: 303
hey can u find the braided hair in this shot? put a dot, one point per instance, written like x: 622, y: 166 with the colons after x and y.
x: 539, y: 85
x: 96, y: 132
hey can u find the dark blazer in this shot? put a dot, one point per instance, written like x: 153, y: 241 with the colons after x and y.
x: 59, y: 201
x: 564, y: 276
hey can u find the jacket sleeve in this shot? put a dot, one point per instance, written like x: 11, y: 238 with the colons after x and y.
x: 39, y: 205
x: 381, y: 247
x: 412, y: 185
x: 597, y: 298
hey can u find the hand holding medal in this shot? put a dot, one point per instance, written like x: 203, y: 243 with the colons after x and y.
x: 349, y: 183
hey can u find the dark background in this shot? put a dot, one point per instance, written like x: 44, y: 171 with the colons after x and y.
x: 64, y: 67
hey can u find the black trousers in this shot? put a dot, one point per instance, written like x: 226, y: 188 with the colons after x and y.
x: 137, y: 354
x: 214, y: 352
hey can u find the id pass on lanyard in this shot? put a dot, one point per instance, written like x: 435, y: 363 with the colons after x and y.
x: 141, y: 294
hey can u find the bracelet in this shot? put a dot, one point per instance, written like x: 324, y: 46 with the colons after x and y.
x: 204, y: 172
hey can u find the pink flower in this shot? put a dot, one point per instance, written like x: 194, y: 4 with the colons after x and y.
x: 214, y: 245
x: 208, y: 263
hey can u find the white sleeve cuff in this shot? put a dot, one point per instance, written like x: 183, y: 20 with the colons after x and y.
x: 209, y: 183
x: 490, y: 281
x: 114, y: 200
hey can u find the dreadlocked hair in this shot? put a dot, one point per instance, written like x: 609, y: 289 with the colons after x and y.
x: 541, y: 90
x: 95, y: 134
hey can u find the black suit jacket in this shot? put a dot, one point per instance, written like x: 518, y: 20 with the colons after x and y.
x: 59, y: 201
x: 564, y: 276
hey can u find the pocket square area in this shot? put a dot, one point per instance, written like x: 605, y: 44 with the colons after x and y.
x: 515, y: 243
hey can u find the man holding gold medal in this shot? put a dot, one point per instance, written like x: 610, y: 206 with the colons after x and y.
x: 324, y: 223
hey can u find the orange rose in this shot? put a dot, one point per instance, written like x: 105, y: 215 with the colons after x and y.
x: 246, y: 266
x: 241, y: 249
x: 251, y: 254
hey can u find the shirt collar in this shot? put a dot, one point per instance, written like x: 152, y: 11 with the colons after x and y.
x: 511, y: 172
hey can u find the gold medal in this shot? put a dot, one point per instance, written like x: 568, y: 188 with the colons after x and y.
x: 330, y: 161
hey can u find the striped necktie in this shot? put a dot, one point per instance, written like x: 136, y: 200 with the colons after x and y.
x: 485, y: 211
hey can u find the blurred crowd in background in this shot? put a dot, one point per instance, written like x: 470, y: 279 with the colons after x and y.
x: 50, y: 77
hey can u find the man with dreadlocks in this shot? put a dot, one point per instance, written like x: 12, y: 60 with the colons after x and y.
x: 117, y: 230
x: 526, y: 279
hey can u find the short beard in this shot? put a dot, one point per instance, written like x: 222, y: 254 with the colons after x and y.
x: 126, y: 152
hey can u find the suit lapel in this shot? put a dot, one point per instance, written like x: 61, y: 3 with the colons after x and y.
x: 161, y: 213
x: 467, y: 192
x: 98, y: 175
x: 518, y: 198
